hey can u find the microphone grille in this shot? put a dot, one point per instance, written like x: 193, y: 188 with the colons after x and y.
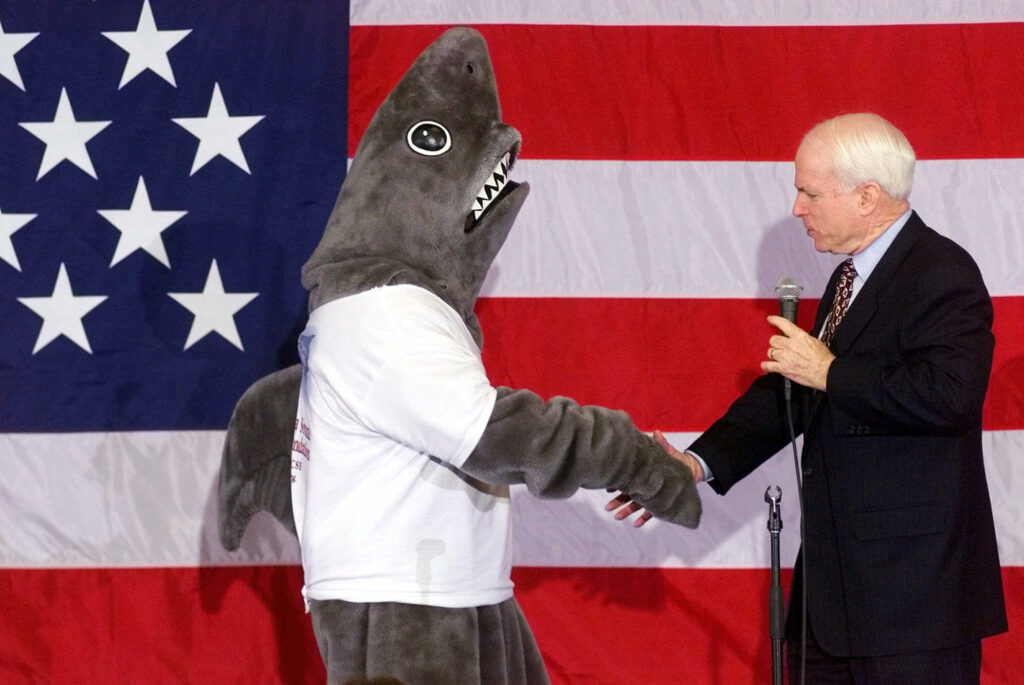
x: 788, y: 288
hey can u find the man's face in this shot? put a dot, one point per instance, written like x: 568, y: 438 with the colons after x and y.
x: 830, y: 216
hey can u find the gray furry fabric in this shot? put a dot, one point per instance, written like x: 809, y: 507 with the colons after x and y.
x: 256, y: 459
x: 558, y: 446
x: 387, y: 642
x: 437, y: 220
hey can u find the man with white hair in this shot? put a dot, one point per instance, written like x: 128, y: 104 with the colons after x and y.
x: 898, y: 563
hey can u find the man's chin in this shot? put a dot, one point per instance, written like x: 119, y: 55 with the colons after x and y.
x: 820, y: 245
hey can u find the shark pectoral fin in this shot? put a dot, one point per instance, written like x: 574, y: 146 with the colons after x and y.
x: 256, y: 460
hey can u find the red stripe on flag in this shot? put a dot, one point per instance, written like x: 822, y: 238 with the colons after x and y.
x: 677, y: 364
x: 630, y: 625
x: 726, y: 93
x: 247, y: 625
x: 1004, y: 406
x: 157, y: 625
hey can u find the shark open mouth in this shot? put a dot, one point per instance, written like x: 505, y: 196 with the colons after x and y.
x: 494, y: 189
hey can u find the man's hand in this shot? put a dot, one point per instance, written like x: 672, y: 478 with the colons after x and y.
x: 798, y: 356
x: 624, y: 506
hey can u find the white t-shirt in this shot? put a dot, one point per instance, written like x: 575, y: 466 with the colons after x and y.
x: 394, y: 398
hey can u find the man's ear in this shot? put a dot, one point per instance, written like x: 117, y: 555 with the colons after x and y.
x: 868, y: 195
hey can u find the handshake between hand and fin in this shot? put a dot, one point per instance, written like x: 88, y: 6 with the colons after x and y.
x: 623, y: 506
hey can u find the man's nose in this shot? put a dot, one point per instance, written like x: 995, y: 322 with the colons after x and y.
x: 798, y: 209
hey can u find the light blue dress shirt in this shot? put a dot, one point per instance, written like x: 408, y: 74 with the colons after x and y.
x: 866, y: 261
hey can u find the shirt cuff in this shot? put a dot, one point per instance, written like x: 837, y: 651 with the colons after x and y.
x: 708, y: 476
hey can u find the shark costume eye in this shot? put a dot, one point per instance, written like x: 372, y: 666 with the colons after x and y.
x: 429, y: 138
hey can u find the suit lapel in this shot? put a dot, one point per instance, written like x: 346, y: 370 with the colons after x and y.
x: 865, y: 305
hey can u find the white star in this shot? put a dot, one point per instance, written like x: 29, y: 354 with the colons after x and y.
x: 218, y: 133
x: 65, y: 137
x: 214, y: 309
x: 147, y: 47
x: 9, y: 223
x: 62, y: 313
x: 141, y: 227
x: 10, y: 43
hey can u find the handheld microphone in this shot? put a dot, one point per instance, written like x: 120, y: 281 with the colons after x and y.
x: 788, y: 291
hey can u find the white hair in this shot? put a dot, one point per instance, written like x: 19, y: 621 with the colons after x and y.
x: 865, y: 147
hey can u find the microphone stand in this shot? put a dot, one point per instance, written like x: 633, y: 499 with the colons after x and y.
x: 776, y: 624
x: 788, y: 291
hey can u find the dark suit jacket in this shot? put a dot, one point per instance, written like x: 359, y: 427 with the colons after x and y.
x: 899, y: 541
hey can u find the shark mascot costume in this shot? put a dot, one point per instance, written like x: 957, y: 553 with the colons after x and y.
x: 398, y: 450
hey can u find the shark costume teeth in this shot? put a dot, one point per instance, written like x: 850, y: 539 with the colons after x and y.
x: 493, y: 187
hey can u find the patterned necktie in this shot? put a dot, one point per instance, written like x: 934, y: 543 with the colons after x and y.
x: 844, y: 287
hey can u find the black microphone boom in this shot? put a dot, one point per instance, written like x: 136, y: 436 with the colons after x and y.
x: 788, y: 291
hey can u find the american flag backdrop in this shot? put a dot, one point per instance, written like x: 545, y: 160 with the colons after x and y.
x: 166, y: 167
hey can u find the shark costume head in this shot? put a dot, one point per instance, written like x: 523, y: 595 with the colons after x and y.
x: 427, y: 200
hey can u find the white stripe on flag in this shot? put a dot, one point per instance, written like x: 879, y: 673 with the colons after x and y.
x: 148, y: 499
x: 137, y: 499
x: 724, y: 229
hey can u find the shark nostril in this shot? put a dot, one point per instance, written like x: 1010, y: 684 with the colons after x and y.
x: 470, y: 68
